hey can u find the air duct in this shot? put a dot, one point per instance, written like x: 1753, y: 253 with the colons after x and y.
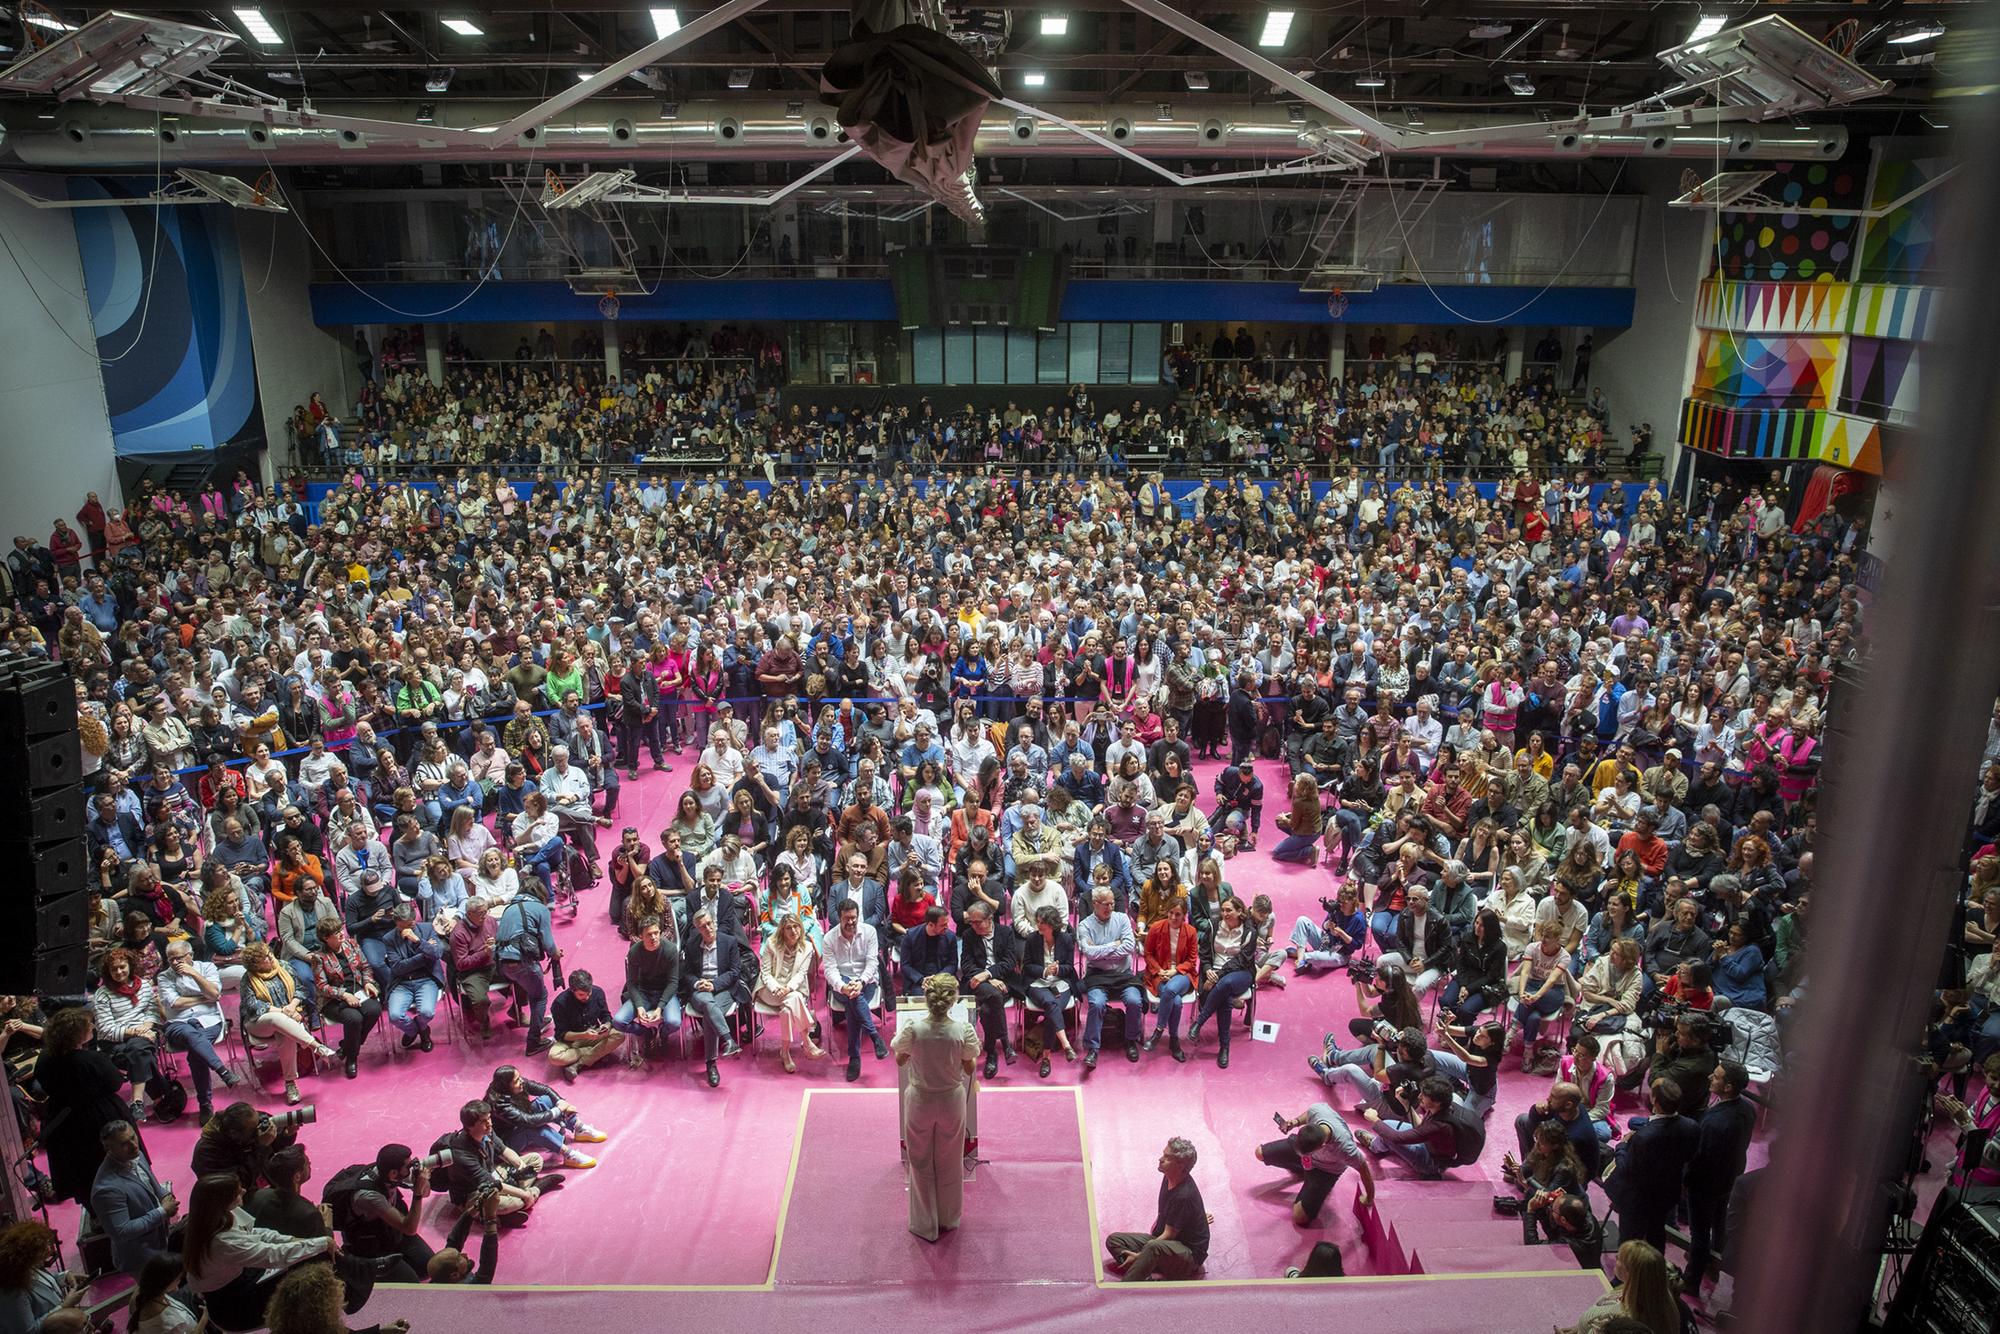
x: 106, y: 137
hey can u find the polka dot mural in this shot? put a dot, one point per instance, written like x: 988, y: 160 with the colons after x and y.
x: 1796, y: 247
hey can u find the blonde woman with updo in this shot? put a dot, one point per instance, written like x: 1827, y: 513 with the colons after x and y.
x: 935, y: 1054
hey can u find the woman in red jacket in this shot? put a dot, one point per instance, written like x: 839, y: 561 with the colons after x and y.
x: 1173, y: 956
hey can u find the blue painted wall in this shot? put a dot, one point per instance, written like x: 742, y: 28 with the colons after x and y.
x: 172, y: 322
x: 1087, y: 300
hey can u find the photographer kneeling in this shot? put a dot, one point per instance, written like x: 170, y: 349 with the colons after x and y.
x: 1447, y: 1135
x: 482, y: 1166
x: 375, y: 1219
x: 1331, y: 942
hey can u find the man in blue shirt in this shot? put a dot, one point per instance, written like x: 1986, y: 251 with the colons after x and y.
x: 1108, y: 945
x: 525, y: 939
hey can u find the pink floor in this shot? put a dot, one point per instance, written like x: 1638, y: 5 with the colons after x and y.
x: 692, y: 1185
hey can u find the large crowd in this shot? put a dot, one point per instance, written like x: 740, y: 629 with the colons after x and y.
x: 1559, y: 745
x: 1237, y: 404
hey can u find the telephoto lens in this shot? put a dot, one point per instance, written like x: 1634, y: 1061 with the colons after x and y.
x: 442, y: 1158
x: 303, y: 1115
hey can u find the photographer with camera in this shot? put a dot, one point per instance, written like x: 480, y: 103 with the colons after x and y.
x: 1318, y: 1146
x: 1446, y: 1133
x: 1684, y: 1052
x: 375, y: 1218
x: 1331, y: 942
x: 1553, y: 1183
x: 481, y: 1166
x: 1564, y: 1107
x: 239, y: 1140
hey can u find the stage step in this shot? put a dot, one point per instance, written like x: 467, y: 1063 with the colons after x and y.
x: 1493, y: 1259
x: 1420, y: 1241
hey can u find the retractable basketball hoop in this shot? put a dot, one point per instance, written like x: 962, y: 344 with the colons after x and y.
x: 607, y: 305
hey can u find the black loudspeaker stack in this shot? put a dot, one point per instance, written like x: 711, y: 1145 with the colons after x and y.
x: 44, y: 860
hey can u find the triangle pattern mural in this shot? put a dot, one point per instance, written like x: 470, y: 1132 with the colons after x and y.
x: 1767, y: 370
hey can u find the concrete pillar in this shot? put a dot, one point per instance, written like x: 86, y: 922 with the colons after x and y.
x: 434, y: 336
x: 1336, y: 356
x: 611, y: 350
x: 1517, y: 356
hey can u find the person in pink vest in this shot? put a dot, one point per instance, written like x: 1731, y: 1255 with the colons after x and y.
x: 1582, y: 1068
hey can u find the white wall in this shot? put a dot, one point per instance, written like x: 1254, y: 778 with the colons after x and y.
x: 55, y: 436
x: 1643, y: 370
x: 294, y: 358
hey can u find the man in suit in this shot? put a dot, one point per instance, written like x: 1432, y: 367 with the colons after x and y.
x: 715, y: 979
x: 988, y: 963
x: 133, y: 1206
x: 1652, y: 1162
x: 1726, y: 1128
x: 108, y: 827
x: 1096, y: 850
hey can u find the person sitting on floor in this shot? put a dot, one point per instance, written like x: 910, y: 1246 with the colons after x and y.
x: 584, y: 1035
x: 1176, y: 1246
x: 530, y: 1117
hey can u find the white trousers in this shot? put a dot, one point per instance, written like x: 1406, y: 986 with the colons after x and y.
x: 934, y: 1133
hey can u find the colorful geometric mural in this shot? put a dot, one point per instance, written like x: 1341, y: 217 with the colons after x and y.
x: 1829, y: 437
x: 1899, y: 244
x: 1795, y: 246
x: 1882, y: 311
x: 1748, y: 307
x: 1765, y: 370
x: 172, y: 322
x: 1882, y: 378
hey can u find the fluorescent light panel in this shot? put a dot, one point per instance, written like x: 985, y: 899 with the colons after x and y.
x: 1915, y: 35
x: 1277, y: 27
x: 1034, y: 78
x: 464, y: 27
x: 49, y: 21
x: 1055, y: 25
x: 1371, y: 81
x: 1707, y: 26
x: 259, y: 27
x: 666, y: 22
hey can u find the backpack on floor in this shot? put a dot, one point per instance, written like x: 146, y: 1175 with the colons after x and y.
x: 339, y: 1194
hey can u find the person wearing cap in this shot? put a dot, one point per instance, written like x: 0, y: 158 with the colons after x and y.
x: 1668, y: 776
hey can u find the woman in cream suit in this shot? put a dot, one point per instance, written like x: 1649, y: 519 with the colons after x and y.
x: 936, y: 1052
x: 784, y: 982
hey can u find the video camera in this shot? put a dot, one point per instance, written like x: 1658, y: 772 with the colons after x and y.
x: 1361, y: 971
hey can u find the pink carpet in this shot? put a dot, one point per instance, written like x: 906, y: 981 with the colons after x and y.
x: 1027, y: 1215
x: 692, y: 1183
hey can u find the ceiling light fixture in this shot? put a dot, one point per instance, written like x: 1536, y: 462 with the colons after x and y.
x: 739, y: 78
x: 584, y: 75
x: 439, y: 80
x: 49, y: 21
x: 1707, y: 26
x: 1034, y: 78
x: 259, y: 27
x: 1055, y: 25
x: 1520, y: 85
x: 1371, y: 81
x: 666, y: 22
x: 464, y: 28
x: 426, y: 112
x: 1197, y: 80
x: 1923, y: 33
x: 1277, y: 27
